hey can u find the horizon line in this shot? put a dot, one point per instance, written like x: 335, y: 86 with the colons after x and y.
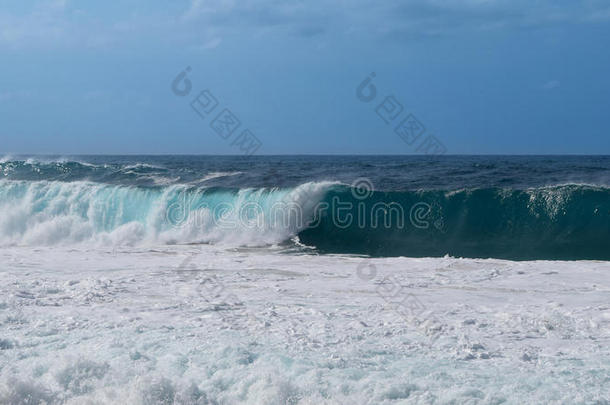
x: 10, y: 154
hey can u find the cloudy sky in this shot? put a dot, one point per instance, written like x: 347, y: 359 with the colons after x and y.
x: 482, y: 76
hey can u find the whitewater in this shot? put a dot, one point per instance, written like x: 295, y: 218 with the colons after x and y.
x: 204, y: 325
x: 77, y: 213
x: 304, y: 280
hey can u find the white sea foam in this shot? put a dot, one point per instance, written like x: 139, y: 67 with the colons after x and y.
x: 216, y: 175
x: 161, y: 180
x: 41, y: 160
x: 204, y: 325
x: 137, y: 166
x: 6, y: 158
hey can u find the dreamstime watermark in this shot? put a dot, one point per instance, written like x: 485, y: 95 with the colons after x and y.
x: 359, y: 208
x: 407, y: 127
x: 225, y: 123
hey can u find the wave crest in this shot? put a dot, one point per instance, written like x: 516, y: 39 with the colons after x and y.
x: 562, y: 222
x: 49, y: 213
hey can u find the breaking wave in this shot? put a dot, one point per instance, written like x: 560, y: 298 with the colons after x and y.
x: 559, y: 222
x: 49, y: 213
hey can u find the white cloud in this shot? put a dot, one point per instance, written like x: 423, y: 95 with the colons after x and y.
x: 202, y: 23
x: 12, y: 96
x: 212, y: 43
x: 553, y: 84
x: 42, y: 24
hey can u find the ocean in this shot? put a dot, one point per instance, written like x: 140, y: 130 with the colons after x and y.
x: 304, y: 279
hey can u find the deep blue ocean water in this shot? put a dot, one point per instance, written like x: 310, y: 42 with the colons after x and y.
x: 512, y: 207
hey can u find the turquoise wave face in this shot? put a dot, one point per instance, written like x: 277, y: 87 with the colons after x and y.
x: 48, y: 213
x: 569, y: 222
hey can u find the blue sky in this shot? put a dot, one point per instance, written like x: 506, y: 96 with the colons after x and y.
x: 482, y: 76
